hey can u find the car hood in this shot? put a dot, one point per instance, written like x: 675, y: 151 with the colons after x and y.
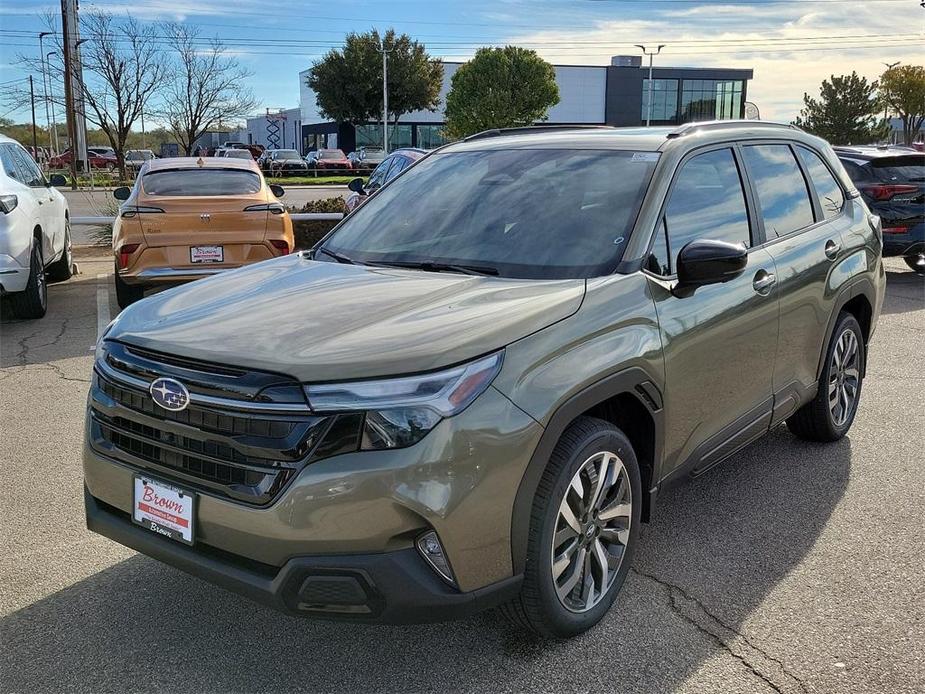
x: 319, y: 321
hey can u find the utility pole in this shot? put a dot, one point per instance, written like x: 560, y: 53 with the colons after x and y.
x: 54, y: 119
x: 45, y: 86
x: 35, y: 142
x: 69, y: 93
x: 651, y: 55
x: 886, y: 102
x: 385, y: 97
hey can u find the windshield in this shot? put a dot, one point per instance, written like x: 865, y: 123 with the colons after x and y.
x: 136, y: 155
x: 330, y: 154
x: 286, y: 154
x: 526, y: 213
x: 200, y: 182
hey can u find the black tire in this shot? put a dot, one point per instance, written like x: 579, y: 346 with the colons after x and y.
x: 538, y: 608
x: 32, y: 302
x: 815, y: 421
x: 60, y: 270
x: 127, y: 294
x: 916, y: 263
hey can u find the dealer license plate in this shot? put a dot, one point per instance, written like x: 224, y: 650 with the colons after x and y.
x: 164, y: 509
x: 206, y: 254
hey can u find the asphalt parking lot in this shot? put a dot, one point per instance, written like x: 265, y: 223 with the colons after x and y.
x: 794, y: 567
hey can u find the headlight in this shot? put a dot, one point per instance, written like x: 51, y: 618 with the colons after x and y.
x: 400, y: 411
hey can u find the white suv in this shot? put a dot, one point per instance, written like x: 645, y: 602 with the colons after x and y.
x: 35, y: 237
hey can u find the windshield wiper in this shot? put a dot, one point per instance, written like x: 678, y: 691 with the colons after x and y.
x: 337, y: 256
x: 429, y: 266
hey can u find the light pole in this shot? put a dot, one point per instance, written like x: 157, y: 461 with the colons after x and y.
x: 651, y: 55
x: 54, y: 118
x: 385, y: 97
x: 886, y: 100
x: 45, y: 85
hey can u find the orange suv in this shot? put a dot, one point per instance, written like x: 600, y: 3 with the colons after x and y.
x: 187, y: 218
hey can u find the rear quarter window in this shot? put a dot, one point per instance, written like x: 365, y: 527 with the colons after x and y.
x: 831, y: 197
x: 201, y: 182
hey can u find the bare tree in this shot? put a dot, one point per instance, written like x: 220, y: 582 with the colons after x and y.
x: 123, y: 71
x: 205, y: 86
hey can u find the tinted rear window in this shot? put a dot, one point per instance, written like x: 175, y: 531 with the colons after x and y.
x: 201, y: 182
x: 782, y: 194
x: 899, y: 169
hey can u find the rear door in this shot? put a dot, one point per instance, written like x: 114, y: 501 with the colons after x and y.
x: 720, y: 341
x: 209, y: 216
x: 807, y: 231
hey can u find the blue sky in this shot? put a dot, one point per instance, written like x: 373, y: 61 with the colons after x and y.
x: 792, y: 46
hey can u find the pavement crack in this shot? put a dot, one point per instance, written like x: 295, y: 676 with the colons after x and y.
x: 724, y: 634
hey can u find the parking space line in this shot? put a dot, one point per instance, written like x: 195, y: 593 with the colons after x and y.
x: 102, y: 303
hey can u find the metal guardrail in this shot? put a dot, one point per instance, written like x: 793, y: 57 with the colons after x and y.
x: 294, y: 216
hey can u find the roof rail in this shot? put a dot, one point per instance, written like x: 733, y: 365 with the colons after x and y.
x: 688, y: 128
x: 527, y: 129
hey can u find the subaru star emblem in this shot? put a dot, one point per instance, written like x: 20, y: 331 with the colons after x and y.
x: 169, y: 394
x: 205, y: 217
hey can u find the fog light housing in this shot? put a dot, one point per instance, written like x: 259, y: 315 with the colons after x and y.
x: 430, y: 548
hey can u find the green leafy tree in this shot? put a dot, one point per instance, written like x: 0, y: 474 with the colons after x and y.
x: 500, y: 88
x: 348, y: 82
x: 846, y: 112
x: 903, y: 90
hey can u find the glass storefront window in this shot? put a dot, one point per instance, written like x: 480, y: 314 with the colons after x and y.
x: 664, y: 100
x: 370, y: 135
x: 430, y: 136
x: 711, y: 99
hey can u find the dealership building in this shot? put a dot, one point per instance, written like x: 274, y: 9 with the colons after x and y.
x: 615, y: 94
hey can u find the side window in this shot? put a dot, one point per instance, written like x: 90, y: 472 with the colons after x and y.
x: 706, y: 202
x: 377, y: 178
x: 401, y: 163
x: 830, y: 193
x: 9, y: 163
x: 30, y: 174
x: 782, y: 194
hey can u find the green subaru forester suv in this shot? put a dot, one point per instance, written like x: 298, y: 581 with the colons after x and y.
x: 471, y: 392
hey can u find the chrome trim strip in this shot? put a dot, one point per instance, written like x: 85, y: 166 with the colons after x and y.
x: 167, y: 272
x: 197, y: 399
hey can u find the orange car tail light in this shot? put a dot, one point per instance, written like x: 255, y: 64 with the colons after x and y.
x: 125, y: 252
x: 272, y: 208
x: 128, y: 212
x: 281, y: 245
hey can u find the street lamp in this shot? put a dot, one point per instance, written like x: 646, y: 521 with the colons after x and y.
x: 51, y: 88
x: 886, y: 101
x: 651, y: 55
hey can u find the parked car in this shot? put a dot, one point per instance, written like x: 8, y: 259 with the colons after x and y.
x: 391, y: 166
x: 892, y: 182
x: 135, y: 158
x: 104, y: 161
x: 328, y: 160
x: 366, y: 158
x: 283, y: 162
x: 35, y: 235
x: 187, y: 218
x: 474, y: 390
x: 235, y: 154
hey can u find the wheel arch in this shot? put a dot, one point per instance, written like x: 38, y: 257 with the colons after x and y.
x: 629, y: 400
x: 859, y: 300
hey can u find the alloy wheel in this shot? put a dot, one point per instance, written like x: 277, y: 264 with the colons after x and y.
x: 844, y: 377
x: 592, y: 531
x: 39, y: 270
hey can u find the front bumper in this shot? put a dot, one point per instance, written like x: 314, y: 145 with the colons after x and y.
x: 391, y: 587
x: 460, y: 481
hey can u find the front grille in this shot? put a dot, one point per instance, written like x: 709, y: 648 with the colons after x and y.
x: 244, y: 456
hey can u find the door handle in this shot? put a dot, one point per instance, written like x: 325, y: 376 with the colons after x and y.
x: 831, y: 249
x: 763, y: 282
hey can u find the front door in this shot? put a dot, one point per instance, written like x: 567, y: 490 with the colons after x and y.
x: 720, y: 341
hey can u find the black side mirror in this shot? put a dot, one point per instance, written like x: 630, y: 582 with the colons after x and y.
x: 277, y: 190
x: 356, y: 185
x: 705, y: 261
x: 122, y: 193
x: 57, y: 180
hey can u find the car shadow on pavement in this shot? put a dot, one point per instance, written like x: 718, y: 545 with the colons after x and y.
x: 905, y: 291
x: 716, y: 548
